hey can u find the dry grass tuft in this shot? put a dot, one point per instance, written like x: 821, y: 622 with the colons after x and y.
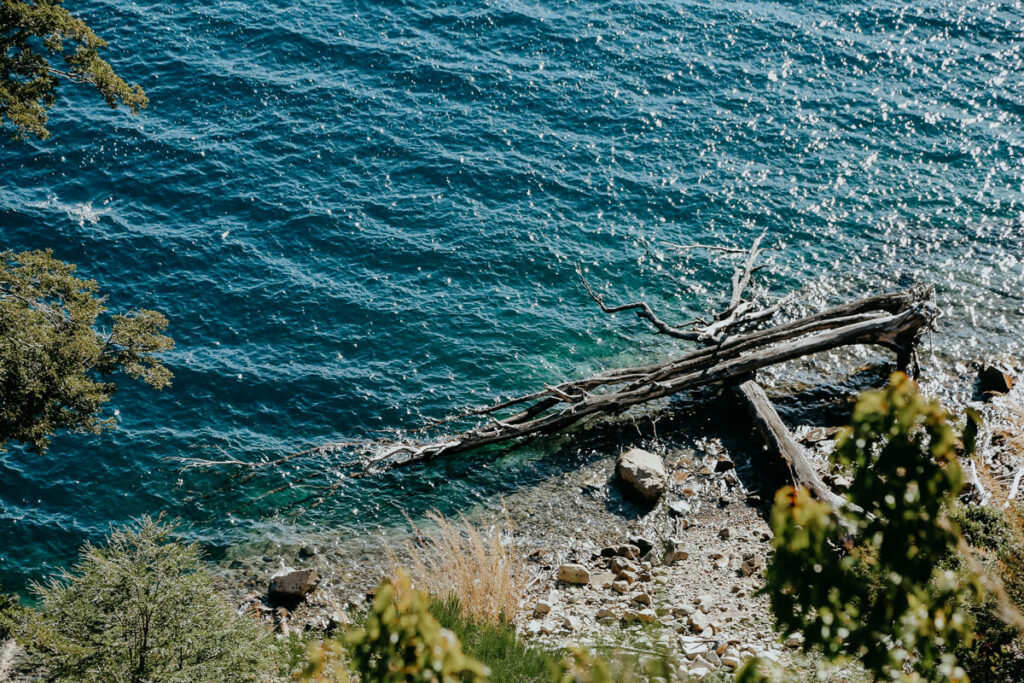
x: 481, y: 569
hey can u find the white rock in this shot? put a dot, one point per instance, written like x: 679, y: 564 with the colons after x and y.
x: 644, y: 472
x: 642, y: 599
x: 682, y: 610
x: 675, y: 552
x: 731, y: 661
x: 696, y: 649
x: 648, y: 616
x: 699, y: 671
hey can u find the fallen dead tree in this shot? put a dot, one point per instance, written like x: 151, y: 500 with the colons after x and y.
x: 893, y: 321
x: 735, y: 344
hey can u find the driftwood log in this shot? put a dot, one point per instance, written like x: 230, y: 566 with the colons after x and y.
x: 780, y: 442
x: 735, y: 344
x: 894, y: 321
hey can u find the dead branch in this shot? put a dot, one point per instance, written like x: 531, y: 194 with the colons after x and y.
x: 642, y: 311
x: 735, y: 358
x: 781, y: 443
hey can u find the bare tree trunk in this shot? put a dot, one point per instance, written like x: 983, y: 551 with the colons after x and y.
x: 781, y: 443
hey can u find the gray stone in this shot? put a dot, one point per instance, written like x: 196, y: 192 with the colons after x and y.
x: 644, y: 472
x: 292, y: 585
x: 674, y: 552
x: 574, y: 573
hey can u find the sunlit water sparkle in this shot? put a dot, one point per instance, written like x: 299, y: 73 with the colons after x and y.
x: 358, y: 215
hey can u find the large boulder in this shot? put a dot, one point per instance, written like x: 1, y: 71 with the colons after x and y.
x: 643, y: 472
x: 290, y: 586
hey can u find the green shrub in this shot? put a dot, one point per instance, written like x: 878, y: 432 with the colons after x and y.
x: 866, y: 581
x: 11, y: 614
x: 143, y: 608
x: 400, y: 641
x: 995, y: 537
x: 983, y: 527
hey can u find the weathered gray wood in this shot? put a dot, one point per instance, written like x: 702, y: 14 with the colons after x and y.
x: 560, y: 407
x: 780, y: 442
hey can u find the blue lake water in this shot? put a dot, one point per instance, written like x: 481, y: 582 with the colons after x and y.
x: 359, y: 214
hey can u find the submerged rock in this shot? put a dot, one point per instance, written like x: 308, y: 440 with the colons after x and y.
x: 643, y: 472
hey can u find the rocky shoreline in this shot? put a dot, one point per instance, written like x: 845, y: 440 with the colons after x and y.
x: 609, y: 566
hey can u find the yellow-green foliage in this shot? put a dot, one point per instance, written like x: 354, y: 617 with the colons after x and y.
x: 33, y: 33
x: 58, y: 351
x: 582, y: 666
x: 887, y: 602
x: 400, y: 641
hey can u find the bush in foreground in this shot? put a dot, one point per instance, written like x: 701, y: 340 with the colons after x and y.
x: 866, y: 581
x: 400, y: 641
x: 143, y: 608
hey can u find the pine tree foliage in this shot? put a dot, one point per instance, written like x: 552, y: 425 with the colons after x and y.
x: 42, y: 44
x: 143, y: 608
x: 56, y: 363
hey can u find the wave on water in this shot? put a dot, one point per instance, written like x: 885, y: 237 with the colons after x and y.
x: 360, y: 216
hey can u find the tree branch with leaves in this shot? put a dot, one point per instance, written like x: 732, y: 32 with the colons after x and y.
x: 57, y: 363
x: 34, y: 35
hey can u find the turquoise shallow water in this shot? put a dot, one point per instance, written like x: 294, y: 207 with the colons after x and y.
x: 358, y: 214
